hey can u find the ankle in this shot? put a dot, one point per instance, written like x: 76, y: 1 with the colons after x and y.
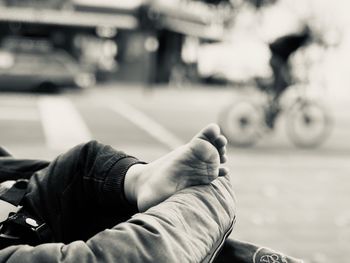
x: 133, y: 180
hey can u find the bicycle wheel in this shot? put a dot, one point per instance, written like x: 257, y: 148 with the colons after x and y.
x: 308, y: 124
x: 241, y: 123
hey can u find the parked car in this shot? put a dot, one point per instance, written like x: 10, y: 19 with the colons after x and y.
x: 40, y: 69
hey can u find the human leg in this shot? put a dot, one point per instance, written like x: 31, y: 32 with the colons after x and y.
x: 197, y: 162
x: 80, y: 193
x: 190, y: 226
x: 73, y: 188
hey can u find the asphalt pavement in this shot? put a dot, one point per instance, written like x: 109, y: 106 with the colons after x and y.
x: 293, y: 200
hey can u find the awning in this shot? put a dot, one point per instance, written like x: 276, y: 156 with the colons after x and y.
x: 193, y: 18
x: 67, y: 18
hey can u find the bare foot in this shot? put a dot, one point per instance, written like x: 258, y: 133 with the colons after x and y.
x: 197, y: 162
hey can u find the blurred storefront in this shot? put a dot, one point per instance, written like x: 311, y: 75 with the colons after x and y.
x: 139, y: 40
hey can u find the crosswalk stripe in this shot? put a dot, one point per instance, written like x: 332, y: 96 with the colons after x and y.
x: 62, y: 124
x: 8, y: 113
x: 147, y: 124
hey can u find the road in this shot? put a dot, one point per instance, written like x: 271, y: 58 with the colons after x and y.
x: 293, y: 200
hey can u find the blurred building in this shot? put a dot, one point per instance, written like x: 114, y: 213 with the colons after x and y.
x: 138, y: 40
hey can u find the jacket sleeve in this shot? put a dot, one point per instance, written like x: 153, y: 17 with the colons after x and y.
x: 81, y: 192
x: 190, y: 226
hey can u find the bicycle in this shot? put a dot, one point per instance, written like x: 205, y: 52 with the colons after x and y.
x: 309, y: 122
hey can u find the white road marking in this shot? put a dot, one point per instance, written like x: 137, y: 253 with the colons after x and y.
x: 62, y: 124
x: 16, y: 113
x: 147, y: 124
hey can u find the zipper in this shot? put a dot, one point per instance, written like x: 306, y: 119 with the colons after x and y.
x: 222, y: 241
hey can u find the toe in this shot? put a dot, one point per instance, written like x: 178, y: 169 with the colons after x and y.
x: 222, y: 151
x: 223, y: 171
x: 209, y: 133
x: 223, y: 158
x: 220, y: 141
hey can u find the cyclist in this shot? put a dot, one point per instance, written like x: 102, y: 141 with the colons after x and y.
x: 285, y: 32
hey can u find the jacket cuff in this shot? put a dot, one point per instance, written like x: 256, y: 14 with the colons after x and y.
x: 114, y: 184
